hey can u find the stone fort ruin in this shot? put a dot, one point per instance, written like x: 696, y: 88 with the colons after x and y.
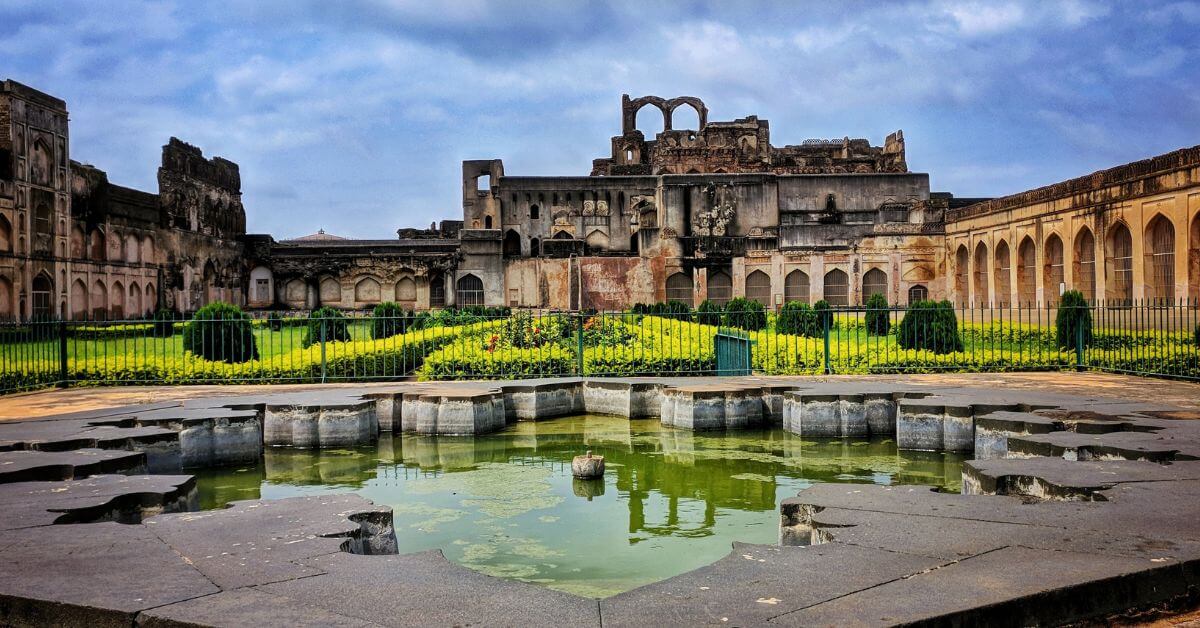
x: 714, y: 212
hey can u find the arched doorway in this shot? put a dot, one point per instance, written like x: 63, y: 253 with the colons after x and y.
x: 837, y: 288
x: 1026, y: 272
x: 79, y: 300
x: 469, y: 290
x: 1083, y: 267
x: 1053, y: 276
x: 795, y: 286
x: 1160, y: 260
x: 874, y: 282
x: 720, y: 287
x: 758, y: 288
x: 1003, y: 280
x: 437, y: 291
x: 43, y: 294
x: 962, y: 260
x: 982, y: 296
x: 1118, y: 262
x: 512, y: 244
x: 679, y: 288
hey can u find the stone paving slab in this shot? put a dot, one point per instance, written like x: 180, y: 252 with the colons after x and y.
x: 245, y: 607
x: 425, y: 589
x: 755, y: 583
x: 26, y: 466
x: 122, y: 498
x: 256, y: 542
x: 1056, y: 478
x: 996, y: 588
x: 94, y: 574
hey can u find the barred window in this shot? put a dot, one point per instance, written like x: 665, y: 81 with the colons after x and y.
x: 837, y: 288
x: 874, y: 281
x: 795, y: 286
x: 469, y: 290
x: 758, y: 287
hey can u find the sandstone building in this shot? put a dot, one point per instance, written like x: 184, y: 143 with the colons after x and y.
x: 713, y: 212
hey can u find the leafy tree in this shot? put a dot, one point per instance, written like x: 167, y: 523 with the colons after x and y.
x: 327, y: 323
x: 389, y: 319
x: 710, y: 313
x: 930, y: 325
x: 798, y: 319
x: 824, y: 315
x: 221, y: 332
x: 1073, y: 319
x: 746, y: 314
x: 878, y: 318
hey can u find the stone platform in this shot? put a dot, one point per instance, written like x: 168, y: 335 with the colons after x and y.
x: 1078, y: 507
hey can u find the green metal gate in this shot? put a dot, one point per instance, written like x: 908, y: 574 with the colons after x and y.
x: 733, y: 353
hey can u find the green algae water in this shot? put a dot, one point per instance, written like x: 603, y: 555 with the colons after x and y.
x: 506, y: 504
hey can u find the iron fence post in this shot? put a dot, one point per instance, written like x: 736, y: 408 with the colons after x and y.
x: 1079, y: 343
x: 825, y: 320
x: 579, y: 345
x: 322, y: 351
x: 62, y: 353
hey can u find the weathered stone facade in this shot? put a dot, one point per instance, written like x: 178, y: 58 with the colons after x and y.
x: 691, y: 214
x: 1126, y: 233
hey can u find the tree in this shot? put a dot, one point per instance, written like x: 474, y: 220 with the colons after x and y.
x: 221, y: 332
x: 930, y: 325
x: 1073, y: 321
x: 878, y: 318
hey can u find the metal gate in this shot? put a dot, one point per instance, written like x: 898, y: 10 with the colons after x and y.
x: 733, y: 353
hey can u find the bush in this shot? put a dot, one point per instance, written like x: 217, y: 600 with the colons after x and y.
x: 878, y: 318
x: 221, y: 332
x: 798, y: 319
x: 275, y: 321
x: 329, y: 322
x: 930, y: 325
x: 710, y: 313
x: 824, y: 316
x: 164, y: 323
x: 389, y: 319
x: 1073, y: 320
x: 745, y: 314
x: 524, y: 330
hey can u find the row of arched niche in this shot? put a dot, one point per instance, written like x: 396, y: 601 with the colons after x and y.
x: 99, y: 299
x: 94, y: 246
x: 986, y: 276
x: 796, y: 287
x: 369, y: 290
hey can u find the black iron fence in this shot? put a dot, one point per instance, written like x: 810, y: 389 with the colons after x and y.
x: 476, y: 343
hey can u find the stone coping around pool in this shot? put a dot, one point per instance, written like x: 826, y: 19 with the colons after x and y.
x: 1106, y: 525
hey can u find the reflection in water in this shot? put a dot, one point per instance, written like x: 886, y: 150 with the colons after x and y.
x: 506, y: 504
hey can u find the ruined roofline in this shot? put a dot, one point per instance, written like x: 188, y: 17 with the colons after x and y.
x: 21, y: 90
x: 1181, y: 159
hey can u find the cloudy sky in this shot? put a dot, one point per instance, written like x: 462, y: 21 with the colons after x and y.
x: 353, y: 116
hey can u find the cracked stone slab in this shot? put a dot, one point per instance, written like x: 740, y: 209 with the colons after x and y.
x: 245, y: 607
x: 255, y: 542
x: 96, y: 574
x: 982, y: 589
x: 426, y: 589
x: 1056, y: 478
x: 1162, y: 446
x: 755, y: 583
x: 27, y: 466
x: 121, y: 498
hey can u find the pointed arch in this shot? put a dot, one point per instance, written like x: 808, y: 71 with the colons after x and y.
x: 99, y: 300
x: 962, y: 261
x: 1118, y: 265
x: 837, y: 288
x: 43, y: 296
x: 1159, y: 267
x: 151, y: 302
x: 133, y: 306
x: 758, y: 287
x: 1083, y: 263
x: 79, y: 300
x: 597, y: 240
x: 512, y: 243
x: 795, y: 286
x: 720, y: 287
x: 535, y: 247
x: 1053, y: 274
x: 982, y: 295
x: 406, y: 291
x: 1026, y: 272
x: 97, y: 246
x: 367, y: 290
x: 116, y: 300
x: 1194, y: 257
x: 437, y: 291
x: 874, y: 281
x: 7, y: 306
x: 133, y: 248
x: 1003, y: 279
x: 6, y: 235
x: 468, y: 290
x: 330, y: 290
x: 679, y: 288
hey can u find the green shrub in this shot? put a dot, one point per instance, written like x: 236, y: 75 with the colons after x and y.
x: 524, y: 330
x: 1197, y: 334
x: 164, y: 323
x: 389, y: 319
x: 824, y: 315
x: 930, y: 325
x: 745, y: 314
x: 329, y: 322
x: 221, y: 332
x: 878, y: 317
x: 710, y: 313
x: 1074, y: 321
x: 798, y: 319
